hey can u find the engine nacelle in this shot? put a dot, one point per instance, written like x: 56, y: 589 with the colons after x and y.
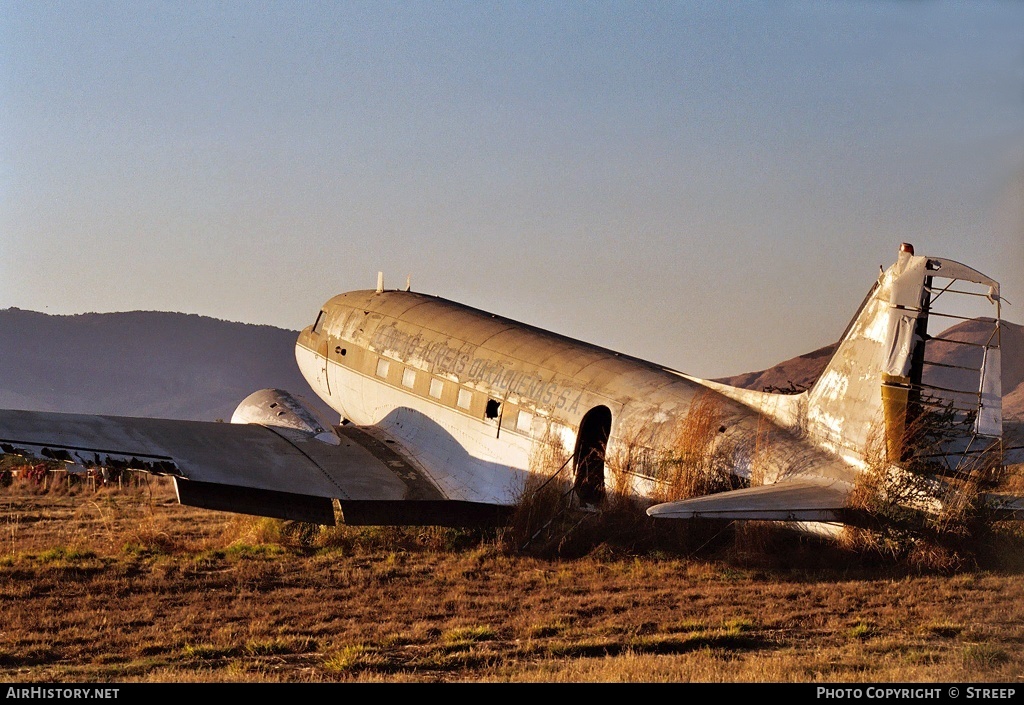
x: 276, y: 407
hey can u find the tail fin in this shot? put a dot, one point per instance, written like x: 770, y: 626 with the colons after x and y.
x: 882, y: 376
x: 886, y: 374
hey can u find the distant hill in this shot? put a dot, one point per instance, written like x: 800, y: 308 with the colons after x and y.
x: 796, y: 373
x: 142, y: 363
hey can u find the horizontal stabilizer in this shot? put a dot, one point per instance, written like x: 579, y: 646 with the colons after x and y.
x: 798, y: 500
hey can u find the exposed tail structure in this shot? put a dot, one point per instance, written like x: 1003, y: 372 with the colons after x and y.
x: 890, y: 393
x: 883, y: 377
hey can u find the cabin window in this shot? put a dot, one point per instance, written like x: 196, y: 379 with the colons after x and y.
x: 409, y: 378
x: 524, y: 421
x: 319, y: 325
x: 493, y: 409
x: 436, y: 387
x: 382, y: 368
x: 465, y: 398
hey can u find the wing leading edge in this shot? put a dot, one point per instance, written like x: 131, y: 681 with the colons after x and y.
x: 251, y: 469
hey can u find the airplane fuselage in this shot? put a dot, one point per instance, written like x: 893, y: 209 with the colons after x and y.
x: 483, y: 399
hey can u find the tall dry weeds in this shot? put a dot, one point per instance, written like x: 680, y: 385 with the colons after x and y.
x: 925, y: 507
x: 757, y: 538
x: 690, y: 458
x: 545, y: 496
x: 695, y: 461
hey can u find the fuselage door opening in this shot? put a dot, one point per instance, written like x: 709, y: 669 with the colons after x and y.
x: 591, y: 442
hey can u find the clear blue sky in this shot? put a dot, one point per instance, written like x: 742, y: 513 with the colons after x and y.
x: 712, y: 186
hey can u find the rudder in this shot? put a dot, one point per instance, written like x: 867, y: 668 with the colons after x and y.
x: 880, y: 378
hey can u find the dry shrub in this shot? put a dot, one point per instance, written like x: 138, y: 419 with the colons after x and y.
x: 548, y: 519
x: 694, y: 462
x: 255, y: 530
x: 921, y: 510
x: 544, y: 498
x: 1012, y: 480
x: 151, y: 535
x: 297, y: 536
x: 759, y: 538
x: 620, y: 527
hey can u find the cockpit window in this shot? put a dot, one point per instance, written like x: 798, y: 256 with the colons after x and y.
x: 318, y: 326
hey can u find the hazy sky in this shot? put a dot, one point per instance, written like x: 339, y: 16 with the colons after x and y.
x: 712, y: 186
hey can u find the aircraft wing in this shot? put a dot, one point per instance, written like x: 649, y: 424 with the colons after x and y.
x: 250, y: 468
x: 799, y: 500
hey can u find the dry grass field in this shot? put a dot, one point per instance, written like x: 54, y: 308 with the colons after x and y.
x: 123, y: 585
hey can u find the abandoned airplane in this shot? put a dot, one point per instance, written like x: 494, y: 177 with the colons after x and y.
x: 444, y: 410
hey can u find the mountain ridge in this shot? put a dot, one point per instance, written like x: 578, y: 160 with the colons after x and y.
x: 142, y: 363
